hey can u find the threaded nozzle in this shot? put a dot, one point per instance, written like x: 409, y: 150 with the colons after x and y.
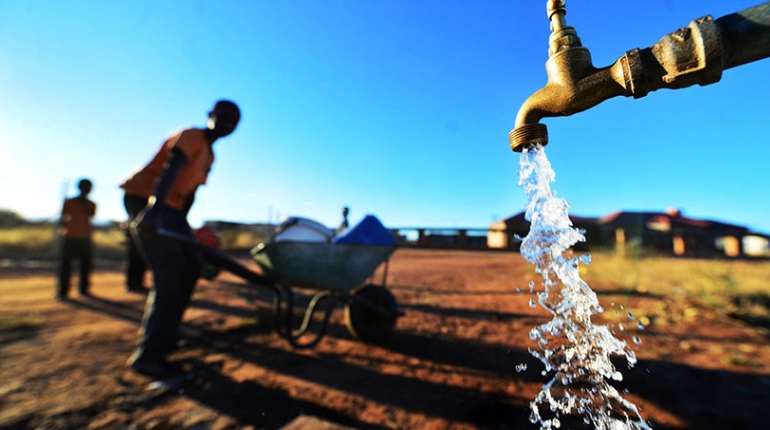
x: 528, y: 134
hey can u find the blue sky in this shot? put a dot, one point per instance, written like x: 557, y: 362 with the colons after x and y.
x: 396, y: 108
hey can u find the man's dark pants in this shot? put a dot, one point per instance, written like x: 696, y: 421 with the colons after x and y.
x: 175, y: 269
x: 136, y: 267
x: 80, y: 250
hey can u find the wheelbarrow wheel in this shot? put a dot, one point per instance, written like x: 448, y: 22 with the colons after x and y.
x: 371, y: 313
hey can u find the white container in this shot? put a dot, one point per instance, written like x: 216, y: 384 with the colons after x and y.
x: 298, y: 229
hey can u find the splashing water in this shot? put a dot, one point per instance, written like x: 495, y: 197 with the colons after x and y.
x: 571, y: 346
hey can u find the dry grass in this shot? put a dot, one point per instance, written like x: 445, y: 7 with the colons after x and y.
x: 738, y: 288
x: 40, y: 242
x: 33, y: 242
x: 17, y: 322
x: 31, y: 237
x: 683, y: 277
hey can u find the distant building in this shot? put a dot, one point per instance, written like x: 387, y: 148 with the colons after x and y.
x: 441, y: 238
x: 756, y: 245
x: 664, y: 233
x: 507, y: 233
x: 624, y: 232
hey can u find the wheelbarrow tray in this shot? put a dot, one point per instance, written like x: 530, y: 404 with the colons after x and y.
x: 323, y: 266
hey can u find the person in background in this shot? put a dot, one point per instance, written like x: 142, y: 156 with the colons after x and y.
x: 344, y: 225
x: 76, y: 229
x: 181, y: 165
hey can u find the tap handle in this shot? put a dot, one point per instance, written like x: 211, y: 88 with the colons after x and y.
x: 556, y: 11
x: 562, y: 36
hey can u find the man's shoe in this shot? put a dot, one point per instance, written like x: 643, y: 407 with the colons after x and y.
x: 156, y: 368
x: 149, y: 367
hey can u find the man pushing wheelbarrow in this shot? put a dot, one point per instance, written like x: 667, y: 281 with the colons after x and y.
x: 171, y: 179
x: 333, y: 268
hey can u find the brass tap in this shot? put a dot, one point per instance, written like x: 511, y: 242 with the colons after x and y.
x: 696, y: 54
x: 574, y: 84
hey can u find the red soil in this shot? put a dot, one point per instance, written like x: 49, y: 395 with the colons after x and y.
x: 449, y: 364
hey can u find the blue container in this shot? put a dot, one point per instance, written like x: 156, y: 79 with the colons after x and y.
x: 369, y: 231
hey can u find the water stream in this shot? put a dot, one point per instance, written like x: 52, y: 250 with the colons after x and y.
x: 572, y: 348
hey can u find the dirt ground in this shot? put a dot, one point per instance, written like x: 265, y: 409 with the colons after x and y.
x: 451, y: 363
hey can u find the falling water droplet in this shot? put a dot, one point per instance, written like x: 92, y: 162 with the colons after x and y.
x: 639, y: 325
x: 521, y: 367
x: 630, y: 316
x: 637, y: 340
x: 518, y: 290
x: 620, y: 327
x: 532, y: 303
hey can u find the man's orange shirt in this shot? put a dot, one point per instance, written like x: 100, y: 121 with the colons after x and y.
x: 76, y: 218
x: 193, y: 144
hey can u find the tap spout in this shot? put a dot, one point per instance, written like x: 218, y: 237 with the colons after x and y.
x: 574, y: 85
x: 696, y: 54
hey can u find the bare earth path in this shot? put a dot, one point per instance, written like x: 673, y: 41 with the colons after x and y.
x: 450, y: 364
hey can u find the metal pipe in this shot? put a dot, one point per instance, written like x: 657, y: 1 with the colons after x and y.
x: 746, y: 35
x: 696, y: 54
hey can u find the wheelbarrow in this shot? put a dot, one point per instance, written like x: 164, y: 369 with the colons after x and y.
x: 336, y: 272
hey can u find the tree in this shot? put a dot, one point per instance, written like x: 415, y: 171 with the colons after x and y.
x: 9, y: 218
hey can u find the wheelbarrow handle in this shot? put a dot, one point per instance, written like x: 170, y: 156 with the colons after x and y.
x: 282, y: 291
x: 217, y: 258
